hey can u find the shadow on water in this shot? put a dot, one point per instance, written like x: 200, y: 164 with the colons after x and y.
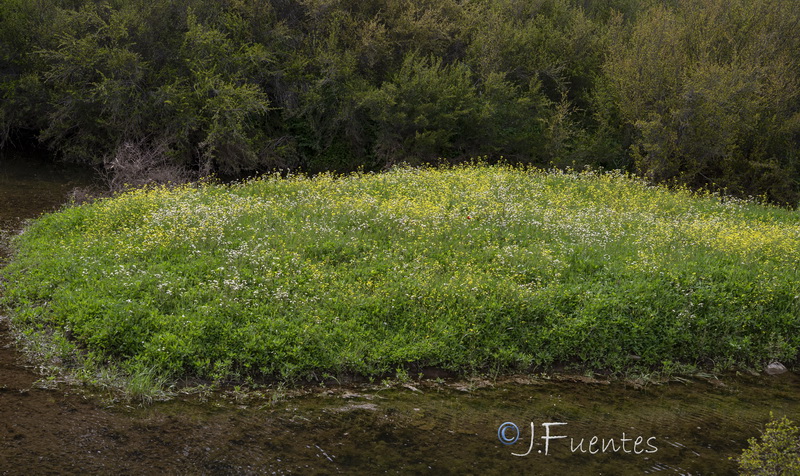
x: 690, y: 427
x: 31, y: 185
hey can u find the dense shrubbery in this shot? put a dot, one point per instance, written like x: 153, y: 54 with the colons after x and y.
x: 705, y: 93
x: 468, y: 268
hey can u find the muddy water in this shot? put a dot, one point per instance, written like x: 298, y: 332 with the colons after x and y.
x: 684, y: 427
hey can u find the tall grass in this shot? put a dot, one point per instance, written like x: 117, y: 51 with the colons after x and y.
x: 465, y: 268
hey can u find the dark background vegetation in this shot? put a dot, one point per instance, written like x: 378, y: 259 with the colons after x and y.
x: 704, y: 93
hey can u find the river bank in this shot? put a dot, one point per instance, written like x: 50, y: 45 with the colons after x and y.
x: 447, y: 427
x: 696, y: 425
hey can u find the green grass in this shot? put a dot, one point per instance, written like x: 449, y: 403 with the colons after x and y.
x: 471, y: 268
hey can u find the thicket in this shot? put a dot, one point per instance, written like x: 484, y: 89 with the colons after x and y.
x: 700, y: 92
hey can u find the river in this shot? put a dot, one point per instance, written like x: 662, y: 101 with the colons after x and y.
x: 581, y: 425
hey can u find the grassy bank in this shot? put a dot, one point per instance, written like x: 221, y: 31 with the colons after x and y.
x: 468, y: 268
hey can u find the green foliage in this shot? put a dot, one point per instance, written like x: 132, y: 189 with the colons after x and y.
x: 512, y: 121
x: 466, y: 268
x: 217, y: 109
x: 93, y: 80
x: 700, y: 93
x: 422, y: 110
x: 776, y: 453
x: 21, y: 91
x: 700, y: 84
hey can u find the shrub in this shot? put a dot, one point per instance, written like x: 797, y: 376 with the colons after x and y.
x: 777, y: 453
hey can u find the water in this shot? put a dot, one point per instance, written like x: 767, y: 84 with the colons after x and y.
x: 684, y: 427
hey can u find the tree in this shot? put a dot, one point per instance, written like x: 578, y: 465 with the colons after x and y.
x: 711, y: 90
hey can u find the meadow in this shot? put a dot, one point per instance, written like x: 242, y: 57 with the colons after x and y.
x: 472, y: 269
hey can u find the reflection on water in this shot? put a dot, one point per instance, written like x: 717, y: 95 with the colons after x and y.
x: 690, y: 427
x: 30, y: 185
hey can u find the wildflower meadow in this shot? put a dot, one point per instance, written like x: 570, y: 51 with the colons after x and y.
x: 472, y: 268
